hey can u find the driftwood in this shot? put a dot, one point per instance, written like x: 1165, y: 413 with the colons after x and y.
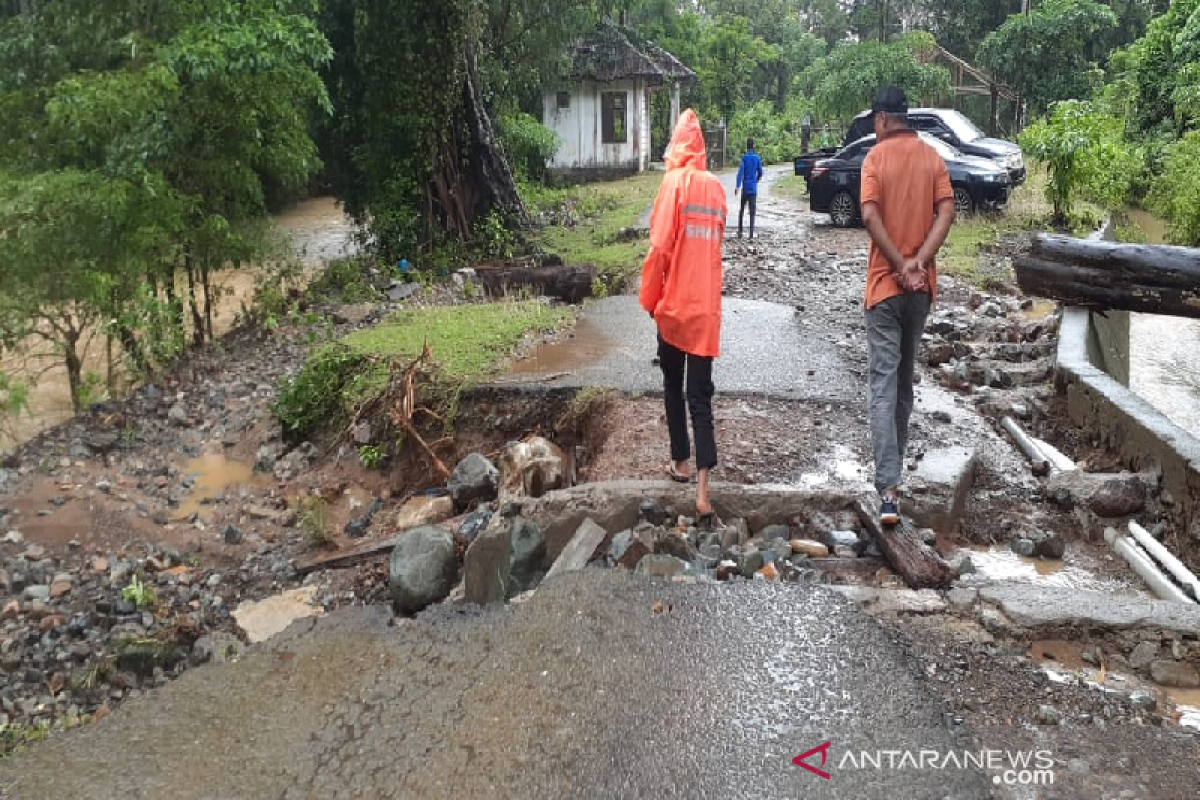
x: 916, y: 562
x: 571, y: 284
x: 349, y: 558
x: 1154, y: 279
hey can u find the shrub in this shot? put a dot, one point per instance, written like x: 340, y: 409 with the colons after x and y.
x: 314, y: 398
x: 528, y: 144
x: 1176, y: 195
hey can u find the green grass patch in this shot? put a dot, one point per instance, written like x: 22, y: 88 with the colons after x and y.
x: 1028, y: 211
x: 467, y: 345
x: 602, y: 214
x: 790, y: 186
x: 467, y: 342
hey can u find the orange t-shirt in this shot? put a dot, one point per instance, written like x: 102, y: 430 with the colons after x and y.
x: 905, y: 178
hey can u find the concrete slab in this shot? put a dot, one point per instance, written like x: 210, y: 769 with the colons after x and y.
x: 1041, y: 606
x: 940, y: 486
x: 894, y: 601
x: 764, y: 352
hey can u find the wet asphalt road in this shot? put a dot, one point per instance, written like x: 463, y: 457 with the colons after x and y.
x: 585, y: 691
x: 767, y: 216
x: 765, y: 351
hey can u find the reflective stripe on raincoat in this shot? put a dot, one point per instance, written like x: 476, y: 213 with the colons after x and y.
x: 681, y: 277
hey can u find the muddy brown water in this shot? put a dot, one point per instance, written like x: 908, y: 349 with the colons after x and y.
x: 214, y: 473
x: 586, y: 344
x: 1063, y: 660
x: 317, y: 231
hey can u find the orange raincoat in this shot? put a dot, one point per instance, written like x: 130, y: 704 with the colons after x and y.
x: 681, y: 277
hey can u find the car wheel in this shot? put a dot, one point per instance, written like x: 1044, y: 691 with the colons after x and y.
x: 843, y: 210
x: 963, y: 204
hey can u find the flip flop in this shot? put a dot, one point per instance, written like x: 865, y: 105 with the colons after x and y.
x: 675, y: 476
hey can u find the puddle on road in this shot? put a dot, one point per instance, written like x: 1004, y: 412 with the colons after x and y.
x: 1039, y: 310
x: 213, y: 474
x: 843, y: 468
x: 1063, y: 662
x: 588, y: 345
x: 998, y: 563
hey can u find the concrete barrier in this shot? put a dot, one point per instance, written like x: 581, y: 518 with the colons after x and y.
x: 1141, y: 435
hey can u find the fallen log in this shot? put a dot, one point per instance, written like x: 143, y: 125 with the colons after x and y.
x: 571, y: 284
x: 1154, y: 279
x: 916, y: 562
x: 350, y: 558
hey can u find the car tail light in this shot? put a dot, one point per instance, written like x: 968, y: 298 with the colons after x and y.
x: 819, y: 171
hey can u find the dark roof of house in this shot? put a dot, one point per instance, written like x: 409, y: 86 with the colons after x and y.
x: 610, y: 53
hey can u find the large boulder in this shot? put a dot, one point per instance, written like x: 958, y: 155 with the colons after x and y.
x: 473, y: 479
x: 528, y: 563
x: 531, y: 468
x: 1104, y: 494
x: 424, y: 568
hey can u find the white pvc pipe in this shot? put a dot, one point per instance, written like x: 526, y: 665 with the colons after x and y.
x: 1058, y: 461
x: 1144, y: 566
x: 1041, y: 464
x: 1163, y: 556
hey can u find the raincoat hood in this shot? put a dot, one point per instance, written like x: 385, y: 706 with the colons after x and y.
x: 687, y: 144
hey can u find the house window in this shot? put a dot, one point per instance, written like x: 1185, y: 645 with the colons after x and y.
x: 564, y: 99
x: 613, y: 122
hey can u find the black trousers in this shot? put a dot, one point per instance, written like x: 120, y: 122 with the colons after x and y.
x: 752, y: 201
x: 676, y: 365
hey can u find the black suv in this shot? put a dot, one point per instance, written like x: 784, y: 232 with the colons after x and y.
x: 955, y: 130
x: 834, y: 184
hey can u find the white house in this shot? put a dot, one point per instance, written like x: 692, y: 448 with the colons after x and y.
x: 601, y: 108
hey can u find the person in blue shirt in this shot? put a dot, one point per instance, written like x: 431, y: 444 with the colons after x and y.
x: 749, y: 174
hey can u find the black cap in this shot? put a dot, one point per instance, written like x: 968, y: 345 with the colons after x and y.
x: 890, y: 100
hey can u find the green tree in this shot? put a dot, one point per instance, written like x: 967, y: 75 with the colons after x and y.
x: 1086, y: 155
x: 1052, y: 53
x: 843, y: 83
x: 1159, y: 68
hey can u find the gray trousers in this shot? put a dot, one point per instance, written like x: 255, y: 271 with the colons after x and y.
x: 894, y: 329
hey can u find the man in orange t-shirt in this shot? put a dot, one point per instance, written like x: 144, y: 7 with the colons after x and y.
x: 681, y: 288
x: 907, y: 207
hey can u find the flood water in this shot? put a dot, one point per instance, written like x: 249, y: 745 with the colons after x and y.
x: 317, y: 231
x: 1164, y: 352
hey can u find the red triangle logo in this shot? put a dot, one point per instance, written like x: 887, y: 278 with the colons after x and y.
x: 823, y: 749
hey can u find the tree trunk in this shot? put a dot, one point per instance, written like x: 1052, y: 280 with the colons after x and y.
x: 490, y: 180
x: 206, y: 282
x: 1155, y: 279
x: 569, y: 284
x: 74, y: 368
x: 194, y: 303
x: 916, y: 562
x: 133, y: 349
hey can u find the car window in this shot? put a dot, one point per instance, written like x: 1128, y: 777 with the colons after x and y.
x: 963, y: 128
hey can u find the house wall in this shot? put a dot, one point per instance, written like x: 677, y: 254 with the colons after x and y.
x: 580, y: 130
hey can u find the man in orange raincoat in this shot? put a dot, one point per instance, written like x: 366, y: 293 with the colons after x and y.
x: 681, y: 288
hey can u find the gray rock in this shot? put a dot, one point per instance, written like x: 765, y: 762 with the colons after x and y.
x: 836, y: 539
x: 653, y: 512
x: 1119, y: 496
x: 1022, y: 547
x: 1143, y: 701
x: 672, y: 544
x: 528, y: 556
x: 424, y: 568
x: 178, y: 416
x: 629, y: 547
x: 749, y: 562
x: 1049, y: 715
x: 233, y: 534
x: 842, y: 551
x: 962, y: 600
x: 1143, y: 655
x: 473, y: 479
x: 1048, y: 544
x: 37, y: 592
x: 772, y: 532
x: 961, y: 563
x: 1176, y: 674
x: 268, y: 455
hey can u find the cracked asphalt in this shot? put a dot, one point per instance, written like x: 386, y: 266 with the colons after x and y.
x: 603, y: 684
